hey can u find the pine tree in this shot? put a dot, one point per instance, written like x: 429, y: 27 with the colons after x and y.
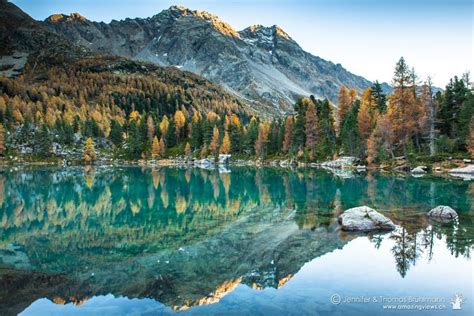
x: 349, y: 135
x: 470, y: 141
x: 251, y: 136
x: 89, y: 151
x: 288, y: 136
x: 226, y: 145
x: 379, y: 96
x: 116, y: 133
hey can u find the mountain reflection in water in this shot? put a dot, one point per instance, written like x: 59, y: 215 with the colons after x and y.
x: 188, y: 237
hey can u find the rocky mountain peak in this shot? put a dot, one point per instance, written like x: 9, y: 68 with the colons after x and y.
x: 183, y: 12
x: 264, y: 33
x: 73, y: 17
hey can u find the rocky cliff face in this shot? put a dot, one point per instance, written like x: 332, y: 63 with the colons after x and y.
x: 261, y: 64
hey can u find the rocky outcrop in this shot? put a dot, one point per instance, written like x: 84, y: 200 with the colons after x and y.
x: 261, y: 64
x: 465, y: 170
x: 442, y: 212
x: 340, y: 163
x: 364, y: 219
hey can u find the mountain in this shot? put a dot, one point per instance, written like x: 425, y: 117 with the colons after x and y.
x: 261, y: 64
x: 46, y: 58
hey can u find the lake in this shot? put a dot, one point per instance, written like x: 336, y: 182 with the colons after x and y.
x: 252, y: 241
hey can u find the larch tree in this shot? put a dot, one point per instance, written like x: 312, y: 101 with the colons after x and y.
x: 262, y: 140
x: 150, y: 128
x: 402, y: 106
x: 162, y: 148
x: 225, y: 147
x: 367, y: 115
x: 343, y: 106
x: 89, y: 151
x: 288, y: 136
x: 187, y: 150
x: 214, y: 145
x: 164, y: 125
x: 179, y: 122
x: 155, y: 148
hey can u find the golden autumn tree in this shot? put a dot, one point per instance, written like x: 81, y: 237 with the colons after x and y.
x: 262, y: 140
x: 89, y: 151
x: 225, y: 147
x: 162, y: 148
x: 164, y: 124
x: 187, y: 150
x: 367, y: 115
x: 343, y: 106
x: 155, y: 148
x: 179, y: 122
x: 214, y: 145
x: 403, y: 107
x: 150, y: 125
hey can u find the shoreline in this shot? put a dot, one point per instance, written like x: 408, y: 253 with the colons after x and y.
x: 281, y: 164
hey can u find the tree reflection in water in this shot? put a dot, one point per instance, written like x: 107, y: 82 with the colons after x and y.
x: 188, y: 237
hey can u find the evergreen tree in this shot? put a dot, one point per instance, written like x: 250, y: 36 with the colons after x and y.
x: 251, y: 137
x: 349, y: 135
x: 116, y: 133
x: 42, y: 142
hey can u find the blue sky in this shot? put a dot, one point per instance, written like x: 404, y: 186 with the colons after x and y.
x: 366, y: 36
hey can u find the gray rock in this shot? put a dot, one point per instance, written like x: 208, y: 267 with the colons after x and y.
x: 364, y: 218
x: 224, y: 159
x: 419, y: 169
x: 340, y: 163
x: 466, y: 170
x: 443, y: 212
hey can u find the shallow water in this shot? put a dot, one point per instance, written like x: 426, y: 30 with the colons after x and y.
x: 143, y: 241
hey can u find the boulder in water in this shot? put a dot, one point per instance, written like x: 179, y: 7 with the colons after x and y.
x: 364, y: 218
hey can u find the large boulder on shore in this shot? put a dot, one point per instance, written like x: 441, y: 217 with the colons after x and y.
x: 443, y: 212
x: 364, y: 219
x: 419, y: 170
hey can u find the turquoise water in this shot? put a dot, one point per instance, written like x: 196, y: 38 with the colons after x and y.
x: 144, y: 241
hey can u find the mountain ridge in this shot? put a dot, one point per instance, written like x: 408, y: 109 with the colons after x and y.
x: 261, y: 64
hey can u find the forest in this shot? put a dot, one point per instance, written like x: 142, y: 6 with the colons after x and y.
x: 140, y: 116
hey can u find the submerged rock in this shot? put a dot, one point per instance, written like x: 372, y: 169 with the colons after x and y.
x: 443, y: 212
x: 364, y: 218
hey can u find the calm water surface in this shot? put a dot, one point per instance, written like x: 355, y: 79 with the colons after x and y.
x: 144, y: 241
